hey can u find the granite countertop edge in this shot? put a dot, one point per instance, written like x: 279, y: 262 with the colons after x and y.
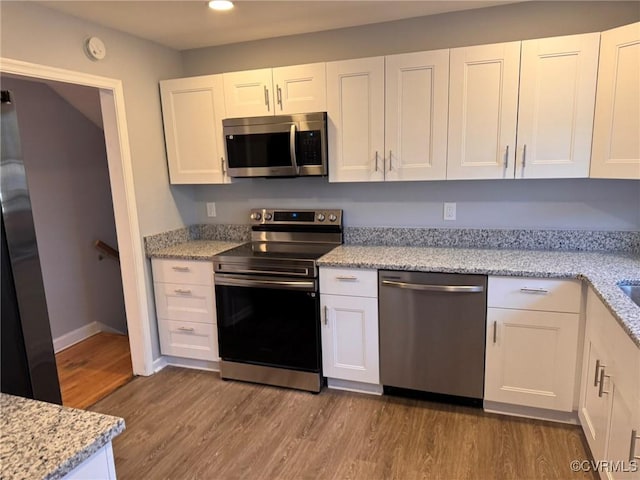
x: 605, y: 285
x: 194, y: 250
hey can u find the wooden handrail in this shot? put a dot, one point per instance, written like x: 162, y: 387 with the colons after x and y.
x: 107, y: 250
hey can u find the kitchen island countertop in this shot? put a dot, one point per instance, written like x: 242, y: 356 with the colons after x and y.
x: 40, y: 440
x: 602, y: 270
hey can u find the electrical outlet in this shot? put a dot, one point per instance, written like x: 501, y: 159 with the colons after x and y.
x: 449, y: 211
x: 211, y: 209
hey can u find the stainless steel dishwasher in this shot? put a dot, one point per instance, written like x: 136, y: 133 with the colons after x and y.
x: 432, y: 334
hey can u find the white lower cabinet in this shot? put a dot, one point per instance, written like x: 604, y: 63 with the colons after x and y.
x: 609, y: 408
x: 185, y: 307
x: 349, y: 306
x: 531, y: 353
x: 99, y: 466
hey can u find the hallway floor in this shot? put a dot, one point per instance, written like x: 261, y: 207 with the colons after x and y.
x: 94, y: 368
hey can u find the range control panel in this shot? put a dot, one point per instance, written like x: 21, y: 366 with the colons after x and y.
x: 262, y: 216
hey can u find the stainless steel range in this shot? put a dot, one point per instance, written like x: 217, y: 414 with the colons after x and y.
x: 267, y: 298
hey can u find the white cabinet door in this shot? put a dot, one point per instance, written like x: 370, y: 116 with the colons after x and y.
x: 556, y: 102
x: 192, y: 111
x: 616, y: 142
x: 483, y: 103
x: 300, y: 89
x: 594, y: 406
x: 350, y: 338
x: 355, y: 108
x: 531, y: 358
x: 622, y: 447
x: 416, y: 96
x: 249, y: 93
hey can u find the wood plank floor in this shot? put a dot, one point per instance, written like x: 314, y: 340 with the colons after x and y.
x: 92, y: 369
x: 190, y: 424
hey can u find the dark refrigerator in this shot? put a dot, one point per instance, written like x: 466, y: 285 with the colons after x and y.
x: 27, y: 359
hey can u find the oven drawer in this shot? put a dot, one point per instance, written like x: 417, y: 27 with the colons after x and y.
x: 187, y: 339
x: 192, y: 303
x: 192, y: 272
x: 544, y: 294
x: 349, y: 281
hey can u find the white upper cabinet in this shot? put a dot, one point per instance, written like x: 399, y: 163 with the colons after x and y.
x: 616, y: 133
x: 483, y: 104
x: 556, y: 103
x: 284, y: 90
x: 416, y: 96
x: 192, y: 111
x: 388, y: 117
x: 355, y: 110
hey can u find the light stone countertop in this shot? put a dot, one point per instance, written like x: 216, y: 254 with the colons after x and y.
x: 603, y: 271
x: 194, y: 249
x: 40, y: 440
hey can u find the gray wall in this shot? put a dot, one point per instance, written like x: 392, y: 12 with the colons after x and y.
x: 66, y: 164
x: 556, y: 204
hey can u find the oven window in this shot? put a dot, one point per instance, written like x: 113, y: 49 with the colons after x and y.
x: 270, y: 327
x: 258, y: 150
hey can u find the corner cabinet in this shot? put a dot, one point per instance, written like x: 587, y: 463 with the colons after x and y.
x: 192, y: 112
x: 616, y: 141
x: 349, y: 312
x: 532, y: 342
x: 185, y: 308
x: 388, y: 117
x: 277, y: 91
x: 609, y: 408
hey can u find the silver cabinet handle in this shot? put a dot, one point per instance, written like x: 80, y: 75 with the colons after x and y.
x: 435, y: 288
x: 181, y: 269
x: 182, y: 292
x: 632, y: 451
x: 495, y: 331
x: 506, y: 158
x: 186, y: 329
x: 597, y: 375
x: 601, y: 389
x: 538, y: 291
x: 390, y: 162
x: 266, y: 97
x: 524, y: 158
x: 376, y: 160
x: 279, y: 95
x: 223, y: 168
x: 346, y: 278
x: 326, y: 315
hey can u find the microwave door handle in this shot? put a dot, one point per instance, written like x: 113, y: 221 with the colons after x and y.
x: 292, y: 148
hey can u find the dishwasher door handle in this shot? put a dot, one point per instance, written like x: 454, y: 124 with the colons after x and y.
x: 435, y: 288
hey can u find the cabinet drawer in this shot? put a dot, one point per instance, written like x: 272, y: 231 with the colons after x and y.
x: 192, y: 272
x: 193, y: 303
x: 545, y: 294
x: 190, y: 340
x: 349, y: 281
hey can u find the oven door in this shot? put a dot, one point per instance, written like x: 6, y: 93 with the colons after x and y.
x: 269, y: 321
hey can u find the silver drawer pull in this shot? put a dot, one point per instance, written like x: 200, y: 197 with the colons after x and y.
x: 186, y: 329
x: 181, y: 269
x: 597, y: 376
x: 435, y: 288
x: 601, y: 389
x: 183, y: 292
x: 538, y: 291
x: 347, y: 278
x: 632, y: 452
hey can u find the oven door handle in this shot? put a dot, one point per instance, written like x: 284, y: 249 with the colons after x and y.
x: 251, y: 281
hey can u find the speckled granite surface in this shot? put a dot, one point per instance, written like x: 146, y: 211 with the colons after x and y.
x: 574, y: 240
x: 41, y: 440
x: 602, y: 270
x: 155, y: 245
x: 193, y: 250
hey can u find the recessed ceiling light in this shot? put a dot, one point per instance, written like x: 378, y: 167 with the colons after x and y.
x: 221, y: 4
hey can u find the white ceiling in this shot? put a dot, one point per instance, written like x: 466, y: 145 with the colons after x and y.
x: 186, y: 24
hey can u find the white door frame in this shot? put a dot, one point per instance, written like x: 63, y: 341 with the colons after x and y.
x: 132, y: 260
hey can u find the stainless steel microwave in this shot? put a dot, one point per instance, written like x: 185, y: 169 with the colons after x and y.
x: 276, y: 146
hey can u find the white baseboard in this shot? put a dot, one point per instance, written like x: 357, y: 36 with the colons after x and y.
x: 166, y: 360
x: 75, y: 336
x: 103, y: 327
x: 370, y: 388
x: 531, y: 412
